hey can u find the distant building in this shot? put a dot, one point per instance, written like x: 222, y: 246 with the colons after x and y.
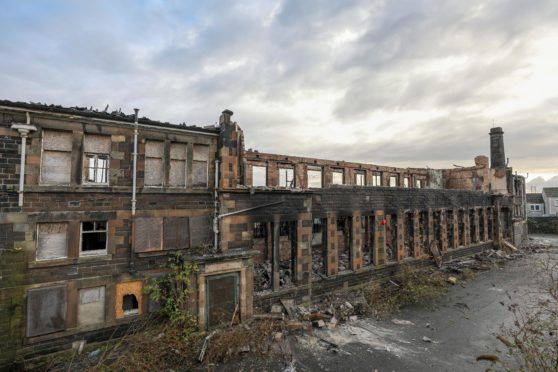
x: 535, y: 205
x: 550, y: 196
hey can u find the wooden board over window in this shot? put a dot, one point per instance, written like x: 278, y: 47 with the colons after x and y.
x: 177, y: 232
x: 57, y: 141
x: 91, y: 306
x: 46, y: 310
x: 200, y: 231
x: 52, y: 241
x: 148, y: 234
x: 96, y: 144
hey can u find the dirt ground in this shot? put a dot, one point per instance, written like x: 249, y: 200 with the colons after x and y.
x: 448, y: 335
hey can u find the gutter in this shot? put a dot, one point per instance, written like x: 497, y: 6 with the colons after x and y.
x: 23, y: 130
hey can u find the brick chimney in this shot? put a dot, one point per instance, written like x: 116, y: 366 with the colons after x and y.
x: 225, y: 117
x: 497, y: 153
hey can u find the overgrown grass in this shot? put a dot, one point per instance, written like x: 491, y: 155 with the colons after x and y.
x: 409, y: 286
x: 467, y: 274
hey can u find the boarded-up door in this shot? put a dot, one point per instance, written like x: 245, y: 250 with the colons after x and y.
x: 222, y: 298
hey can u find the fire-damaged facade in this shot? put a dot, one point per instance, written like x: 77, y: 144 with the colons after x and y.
x: 92, y: 204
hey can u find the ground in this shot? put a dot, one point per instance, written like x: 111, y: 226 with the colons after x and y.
x: 447, y: 336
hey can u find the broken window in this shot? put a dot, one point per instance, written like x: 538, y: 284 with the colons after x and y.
x: 337, y: 177
x: 154, y: 163
x: 377, y: 179
x: 419, y: 184
x: 393, y: 181
x: 46, y: 310
x: 259, y: 175
x: 314, y: 177
x: 177, y: 172
x: 406, y: 182
x: 360, y: 179
x: 284, y: 228
x: 52, y: 241
x: 56, y: 162
x: 93, y: 238
x: 258, y: 230
x: 96, y: 150
x: 286, y: 177
x: 91, y: 306
x: 130, y: 305
x: 148, y: 233
x: 200, y: 166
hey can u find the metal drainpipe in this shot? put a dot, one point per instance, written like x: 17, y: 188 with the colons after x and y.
x: 23, y: 130
x: 131, y: 263
x: 216, y: 208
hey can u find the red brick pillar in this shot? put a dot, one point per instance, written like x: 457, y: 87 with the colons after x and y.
x: 304, y: 248
x: 332, y: 266
x: 379, y: 239
x: 356, y: 242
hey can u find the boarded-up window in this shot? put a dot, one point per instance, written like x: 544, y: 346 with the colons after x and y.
x: 148, y: 234
x: 46, y: 310
x: 337, y: 177
x: 286, y: 177
x: 52, y: 241
x: 314, y: 177
x: 177, y: 174
x: 154, y: 163
x: 222, y: 298
x: 177, y: 232
x: 200, y: 166
x: 360, y: 179
x: 200, y: 231
x: 56, y: 162
x: 259, y: 175
x: 91, y: 307
x: 96, y: 151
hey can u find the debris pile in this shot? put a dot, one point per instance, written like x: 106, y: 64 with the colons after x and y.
x: 344, y: 261
x: 263, y: 277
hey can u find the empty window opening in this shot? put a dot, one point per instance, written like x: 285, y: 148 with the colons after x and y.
x: 259, y: 175
x: 154, y: 163
x: 437, y: 224
x: 368, y: 255
x: 262, y: 242
x: 409, y: 234
x: 393, y: 181
x: 424, y: 232
x: 337, y: 177
x: 286, y: 178
x: 450, y: 228
x: 56, y: 161
x: 314, y: 177
x: 319, y: 247
x: 93, y: 237
x: 490, y: 223
x: 482, y: 219
x: 419, y: 184
x: 406, y: 182
x: 391, y: 238
x: 344, y: 227
x: 258, y: 230
x: 473, y: 226
x: 377, y: 179
x: 360, y: 179
x: 130, y: 305
x: 287, y: 252
x: 461, y: 228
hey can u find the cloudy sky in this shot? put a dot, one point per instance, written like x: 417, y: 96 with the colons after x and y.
x: 408, y: 83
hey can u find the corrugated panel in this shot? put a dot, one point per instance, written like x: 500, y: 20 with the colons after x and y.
x: 201, y: 152
x: 52, y: 241
x: 56, y: 167
x: 200, y: 231
x: 176, y: 232
x: 59, y: 141
x: 199, y: 173
x: 96, y: 144
x: 154, y: 149
x: 148, y: 233
x: 153, y: 172
x: 177, y: 173
x: 46, y: 310
x: 178, y: 151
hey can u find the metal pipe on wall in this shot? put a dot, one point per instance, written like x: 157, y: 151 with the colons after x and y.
x: 23, y: 130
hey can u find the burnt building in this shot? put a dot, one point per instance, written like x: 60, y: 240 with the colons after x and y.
x: 93, y: 203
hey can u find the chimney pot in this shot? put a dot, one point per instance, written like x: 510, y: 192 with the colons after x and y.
x: 225, y: 117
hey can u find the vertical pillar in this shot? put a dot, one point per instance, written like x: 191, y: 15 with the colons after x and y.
x: 430, y: 230
x: 332, y: 266
x: 400, y: 235
x: 356, y: 242
x: 444, y: 230
x: 497, y: 225
x: 477, y: 224
x: 466, y: 228
x: 416, y: 234
x: 484, y: 221
x: 275, y: 284
x: 304, y: 248
x: 379, y: 239
x: 268, y: 242
x: 456, y: 241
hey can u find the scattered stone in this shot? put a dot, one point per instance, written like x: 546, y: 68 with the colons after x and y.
x: 426, y: 339
x: 94, y: 353
x: 276, y: 309
x: 278, y: 336
x: 333, y: 323
x: 353, y: 318
x: 452, y: 280
x: 348, y: 304
x: 318, y: 323
x: 402, y: 322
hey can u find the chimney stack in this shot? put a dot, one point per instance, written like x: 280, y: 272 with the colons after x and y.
x: 497, y: 153
x: 226, y: 117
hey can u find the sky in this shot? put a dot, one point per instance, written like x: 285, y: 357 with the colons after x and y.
x: 406, y: 83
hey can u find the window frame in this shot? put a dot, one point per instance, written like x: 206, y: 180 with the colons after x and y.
x: 339, y: 172
x: 96, y: 156
x: 175, y: 160
x: 377, y: 179
x: 162, y: 159
x: 57, y: 151
x: 66, y: 255
x: 315, y: 169
x: 406, y: 182
x: 362, y: 175
x: 95, y: 252
x: 285, y: 170
x: 393, y: 177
